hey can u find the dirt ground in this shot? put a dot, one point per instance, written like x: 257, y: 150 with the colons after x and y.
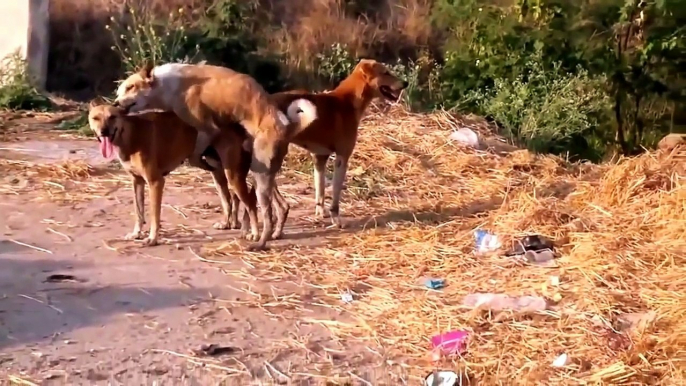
x: 130, y: 314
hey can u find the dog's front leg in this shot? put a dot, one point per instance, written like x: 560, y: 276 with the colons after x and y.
x: 156, y: 188
x: 339, y: 171
x: 139, y: 207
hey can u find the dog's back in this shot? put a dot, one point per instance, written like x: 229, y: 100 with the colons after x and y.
x: 155, y: 143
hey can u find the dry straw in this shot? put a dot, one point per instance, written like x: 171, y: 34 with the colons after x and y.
x: 621, y: 236
x: 414, y: 200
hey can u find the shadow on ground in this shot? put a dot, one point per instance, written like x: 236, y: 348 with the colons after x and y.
x: 33, y: 308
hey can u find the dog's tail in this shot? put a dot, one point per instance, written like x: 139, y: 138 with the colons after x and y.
x: 302, y: 113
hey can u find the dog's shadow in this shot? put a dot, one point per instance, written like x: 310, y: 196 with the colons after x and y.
x: 426, y: 215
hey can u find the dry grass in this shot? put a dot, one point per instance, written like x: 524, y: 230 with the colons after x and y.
x: 620, y: 233
x: 414, y: 200
x: 81, y: 57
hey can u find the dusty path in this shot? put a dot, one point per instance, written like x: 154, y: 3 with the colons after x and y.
x: 134, y: 315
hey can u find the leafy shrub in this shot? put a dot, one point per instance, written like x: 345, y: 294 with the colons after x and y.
x: 140, y: 38
x: 16, y: 86
x: 550, y: 111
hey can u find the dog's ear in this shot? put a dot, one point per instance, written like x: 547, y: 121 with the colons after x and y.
x: 96, y: 102
x: 146, y: 70
x: 366, y: 68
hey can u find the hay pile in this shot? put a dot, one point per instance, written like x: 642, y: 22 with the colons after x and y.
x: 417, y: 198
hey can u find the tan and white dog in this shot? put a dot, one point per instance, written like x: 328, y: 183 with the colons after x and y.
x: 339, y: 113
x: 210, y: 99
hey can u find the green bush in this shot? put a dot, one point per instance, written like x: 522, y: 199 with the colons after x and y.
x: 16, y: 86
x: 572, y: 78
x: 567, y: 77
x: 551, y: 111
x: 139, y: 38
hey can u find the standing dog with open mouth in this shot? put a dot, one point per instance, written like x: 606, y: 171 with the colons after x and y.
x: 334, y: 131
x: 211, y: 98
x: 151, y: 145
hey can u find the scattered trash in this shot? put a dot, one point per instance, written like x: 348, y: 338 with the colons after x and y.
x: 539, y: 256
x: 441, y: 378
x: 466, y: 137
x: 500, y: 302
x: 635, y: 320
x: 530, y: 243
x: 561, y: 361
x: 534, y: 250
x: 214, y: 350
x: 453, y: 342
x: 59, y: 278
x: 347, y: 297
x: 555, y: 281
x: 485, y: 241
x: 434, y: 283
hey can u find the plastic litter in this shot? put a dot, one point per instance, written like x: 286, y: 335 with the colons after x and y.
x: 347, y: 297
x: 441, y: 378
x: 453, y: 342
x: 530, y: 243
x: 560, y: 361
x: 434, y: 283
x: 540, y: 256
x: 485, y: 241
x: 500, y: 302
x: 466, y: 137
x: 635, y: 320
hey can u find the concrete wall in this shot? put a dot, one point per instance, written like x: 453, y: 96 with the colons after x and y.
x: 24, y: 26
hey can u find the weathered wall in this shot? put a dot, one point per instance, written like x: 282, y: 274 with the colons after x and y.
x: 24, y: 26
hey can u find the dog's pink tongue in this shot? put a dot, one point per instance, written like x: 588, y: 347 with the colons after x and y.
x: 106, y: 147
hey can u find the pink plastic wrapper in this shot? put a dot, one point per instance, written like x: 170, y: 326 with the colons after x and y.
x: 453, y: 342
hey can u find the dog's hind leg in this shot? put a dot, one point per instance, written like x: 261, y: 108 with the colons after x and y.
x: 139, y: 207
x: 221, y: 183
x: 267, y: 159
x: 319, y: 183
x: 339, y: 172
x: 282, y: 209
x: 236, y: 170
x: 156, y: 189
x: 202, y: 145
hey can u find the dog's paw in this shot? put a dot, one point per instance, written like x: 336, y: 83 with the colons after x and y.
x: 319, y: 212
x: 150, y: 242
x: 134, y: 236
x: 235, y: 224
x: 220, y: 225
x: 250, y: 236
x: 277, y: 234
x: 257, y: 247
x: 336, y: 222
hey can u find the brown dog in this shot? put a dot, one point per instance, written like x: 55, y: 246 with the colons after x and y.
x: 338, y: 117
x: 151, y: 145
x: 211, y: 99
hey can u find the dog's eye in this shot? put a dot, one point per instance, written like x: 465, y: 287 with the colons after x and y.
x: 96, y: 119
x: 128, y: 88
